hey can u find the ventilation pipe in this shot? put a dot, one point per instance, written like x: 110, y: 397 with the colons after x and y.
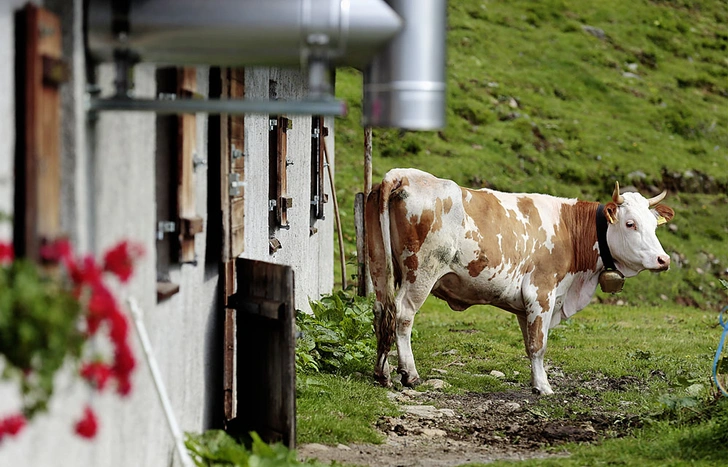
x: 240, y: 33
x: 316, y: 35
x: 404, y: 87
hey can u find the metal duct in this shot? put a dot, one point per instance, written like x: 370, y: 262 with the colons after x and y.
x: 404, y: 86
x: 241, y: 32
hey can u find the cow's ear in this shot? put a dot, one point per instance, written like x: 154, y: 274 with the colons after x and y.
x: 610, y: 212
x: 663, y: 213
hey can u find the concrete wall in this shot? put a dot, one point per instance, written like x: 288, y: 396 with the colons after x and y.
x: 311, y: 256
x: 110, y: 183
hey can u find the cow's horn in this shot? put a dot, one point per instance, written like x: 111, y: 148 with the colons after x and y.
x: 656, y: 199
x: 616, y: 197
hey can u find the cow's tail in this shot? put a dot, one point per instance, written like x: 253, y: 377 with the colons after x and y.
x: 381, y: 267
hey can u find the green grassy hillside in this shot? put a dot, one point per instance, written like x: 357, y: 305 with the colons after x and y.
x: 565, y: 97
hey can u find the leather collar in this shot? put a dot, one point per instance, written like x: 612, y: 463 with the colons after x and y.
x: 602, y: 239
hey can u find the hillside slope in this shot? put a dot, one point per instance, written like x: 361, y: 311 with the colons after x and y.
x: 565, y: 98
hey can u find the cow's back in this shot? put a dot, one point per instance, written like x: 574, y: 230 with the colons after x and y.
x: 471, y: 246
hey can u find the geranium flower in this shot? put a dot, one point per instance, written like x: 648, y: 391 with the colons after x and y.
x: 56, y: 251
x: 12, y: 425
x: 7, y: 254
x: 88, y: 425
x: 119, y: 260
x: 97, y: 373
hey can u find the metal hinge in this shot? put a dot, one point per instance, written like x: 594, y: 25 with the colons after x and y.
x: 165, y: 227
x: 235, y: 185
x: 272, y: 205
x: 197, y: 161
x: 316, y: 133
x: 272, y: 123
x: 236, y: 153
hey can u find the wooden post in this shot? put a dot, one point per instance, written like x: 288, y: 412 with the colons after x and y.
x: 361, y: 274
x: 364, y: 280
x: 367, y: 160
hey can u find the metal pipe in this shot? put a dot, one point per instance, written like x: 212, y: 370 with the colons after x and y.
x: 404, y: 86
x: 220, y: 106
x: 243, y: 33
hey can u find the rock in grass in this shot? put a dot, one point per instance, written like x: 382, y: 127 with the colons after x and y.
x: 436, y: 383
x: 497, y: 374
x: 433, y: 432
x: 423, y: 411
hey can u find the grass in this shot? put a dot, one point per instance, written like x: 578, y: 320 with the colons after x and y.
x: 662, y: 351
x: 333, y: 409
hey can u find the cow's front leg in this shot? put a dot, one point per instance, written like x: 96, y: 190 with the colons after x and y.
x: 405, y: 319
x: 535, y: 328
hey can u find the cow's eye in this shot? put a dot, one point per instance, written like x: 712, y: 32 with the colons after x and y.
x: 630, y: 225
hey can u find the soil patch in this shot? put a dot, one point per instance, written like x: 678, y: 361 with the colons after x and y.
x: 440, y: 429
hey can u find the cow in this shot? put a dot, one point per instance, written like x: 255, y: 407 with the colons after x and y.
x: 537, y: 256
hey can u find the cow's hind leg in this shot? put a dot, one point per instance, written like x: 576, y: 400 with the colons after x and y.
x: 384, y: 323
x: 409, y: 300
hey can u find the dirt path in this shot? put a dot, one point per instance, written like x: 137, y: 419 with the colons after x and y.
x: 439, y: 429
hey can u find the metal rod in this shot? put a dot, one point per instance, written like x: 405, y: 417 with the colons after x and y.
x: 219, y: 106
x: 141, y: 330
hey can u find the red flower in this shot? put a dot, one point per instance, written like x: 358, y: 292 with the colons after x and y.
x: 88, y: 425
x: 56, y: 251
x: 12, y: 425
x: 96, y: 373
x: 124, y: 364
x: 124, y: 385
x: 119, y: 260
x: 7, y: 254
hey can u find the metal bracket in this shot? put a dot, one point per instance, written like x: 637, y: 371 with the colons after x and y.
x: 165, y: 227
x: 235, y: 185
x: 272, y: 205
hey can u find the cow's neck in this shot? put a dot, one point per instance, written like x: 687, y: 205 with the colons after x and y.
x: 601, y: 227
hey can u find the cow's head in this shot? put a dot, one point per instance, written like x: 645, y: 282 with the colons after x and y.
x: 631, y: 236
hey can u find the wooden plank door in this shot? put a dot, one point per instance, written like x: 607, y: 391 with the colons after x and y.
x: 232, y: 202
x: 266, y: 360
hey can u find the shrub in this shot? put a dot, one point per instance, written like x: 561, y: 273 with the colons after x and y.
x: 338, y: 337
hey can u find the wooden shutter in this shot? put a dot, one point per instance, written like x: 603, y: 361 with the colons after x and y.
x: 279, y: 202
x: 39, y: 72
x: 266, y: 376
x: 318, y: 168
x: 190, y: 223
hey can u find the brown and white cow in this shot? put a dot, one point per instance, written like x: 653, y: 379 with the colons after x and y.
x: 534, y: 255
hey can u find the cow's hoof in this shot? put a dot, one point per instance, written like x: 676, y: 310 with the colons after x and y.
x: 410, y: 381
x: 543, y: 391
x: 383, y: 380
